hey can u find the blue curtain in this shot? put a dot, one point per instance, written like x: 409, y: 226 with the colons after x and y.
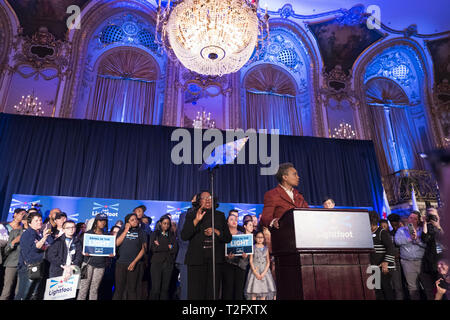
x: 85, y: 158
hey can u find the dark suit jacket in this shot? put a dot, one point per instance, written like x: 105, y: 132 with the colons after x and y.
x: 277, y: 202
x: 195, y: 235
x: 57, y: 254
x: 162, y: 252
x: 182, y: 245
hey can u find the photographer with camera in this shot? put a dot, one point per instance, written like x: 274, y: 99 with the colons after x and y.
x: 412, y: 250
x: 431, y: 235
x: 443, y: 282
x: 49, y: 222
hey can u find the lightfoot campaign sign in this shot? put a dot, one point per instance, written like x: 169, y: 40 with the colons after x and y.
x: 239, y: 244
x: 58, y: 289
x: 99, y: 245
x: 81, y: 209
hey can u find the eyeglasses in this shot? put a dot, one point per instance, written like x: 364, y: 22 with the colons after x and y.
x: 206, y: 198
x: 70, y: 228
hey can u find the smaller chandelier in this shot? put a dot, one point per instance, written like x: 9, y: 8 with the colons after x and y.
x: 447, y: 142
x: 344, y: 131
x: 29, y: 105
x: 203, y: 121
x: 212, y: 37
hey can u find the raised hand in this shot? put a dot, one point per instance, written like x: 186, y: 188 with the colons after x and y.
x: 199, y: 215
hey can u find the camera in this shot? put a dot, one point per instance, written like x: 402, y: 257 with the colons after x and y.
x: 411, y: 228
x: 443, y: 284
x: 430, y: 217
x: 36, y: 205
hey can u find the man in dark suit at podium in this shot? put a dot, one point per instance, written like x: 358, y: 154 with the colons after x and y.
x: 282, y: 198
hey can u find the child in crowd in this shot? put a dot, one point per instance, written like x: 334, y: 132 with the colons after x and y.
x: 260, y: 284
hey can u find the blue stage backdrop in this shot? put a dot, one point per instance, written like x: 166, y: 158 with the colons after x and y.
x: 81, y: 209
x: 95, y: 159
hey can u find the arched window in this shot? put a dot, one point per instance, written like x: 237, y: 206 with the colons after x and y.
x: 394, y: 82
x: 392, y: 134
x: 271, y: 100
x: 125, y: 87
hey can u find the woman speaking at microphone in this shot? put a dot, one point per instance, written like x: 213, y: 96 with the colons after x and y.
x: 198, y: 231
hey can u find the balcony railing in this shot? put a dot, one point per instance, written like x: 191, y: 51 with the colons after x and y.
x: 398, y: 186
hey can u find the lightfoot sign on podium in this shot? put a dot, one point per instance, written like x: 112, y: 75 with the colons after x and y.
x: 332, y: 229
x: 323, y: 254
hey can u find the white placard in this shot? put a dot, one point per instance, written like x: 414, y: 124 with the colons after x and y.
x: 58, y: 289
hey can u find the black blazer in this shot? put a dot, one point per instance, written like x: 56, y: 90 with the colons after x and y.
x: 162, y: 252
x: 57, y: 254
x: 195, y: 254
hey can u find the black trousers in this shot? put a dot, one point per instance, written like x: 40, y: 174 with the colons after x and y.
x: 233, y: 281
x: 161, y: 273
x: 200, y: 281
x: 127, y: 282
x: 427, y: 281
x: 143, y: 286
x: 386, y: 292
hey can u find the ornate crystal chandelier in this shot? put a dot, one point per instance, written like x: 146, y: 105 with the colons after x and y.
x: 203, y: 121
x: 211, y: 37
x: 344, y: 131
x: 29, y: 105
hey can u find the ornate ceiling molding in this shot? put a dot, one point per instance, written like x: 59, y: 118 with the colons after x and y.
x: 338, y: 87
x: 412, y: 31
x: 42, y: 51
x: 353, y: 15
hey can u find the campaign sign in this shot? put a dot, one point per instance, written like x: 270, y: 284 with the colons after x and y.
x: 332, y: 229
x: 81, y: 209
x: 58, y: 289
x: 239, y: 244
x: 99, y: 244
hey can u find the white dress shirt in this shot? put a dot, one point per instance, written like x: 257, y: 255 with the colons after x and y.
x: 290, y: 192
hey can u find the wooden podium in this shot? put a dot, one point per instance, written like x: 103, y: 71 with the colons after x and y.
x: 322, y: 254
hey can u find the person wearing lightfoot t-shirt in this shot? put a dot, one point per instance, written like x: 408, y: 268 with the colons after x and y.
x: 131, y: 241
